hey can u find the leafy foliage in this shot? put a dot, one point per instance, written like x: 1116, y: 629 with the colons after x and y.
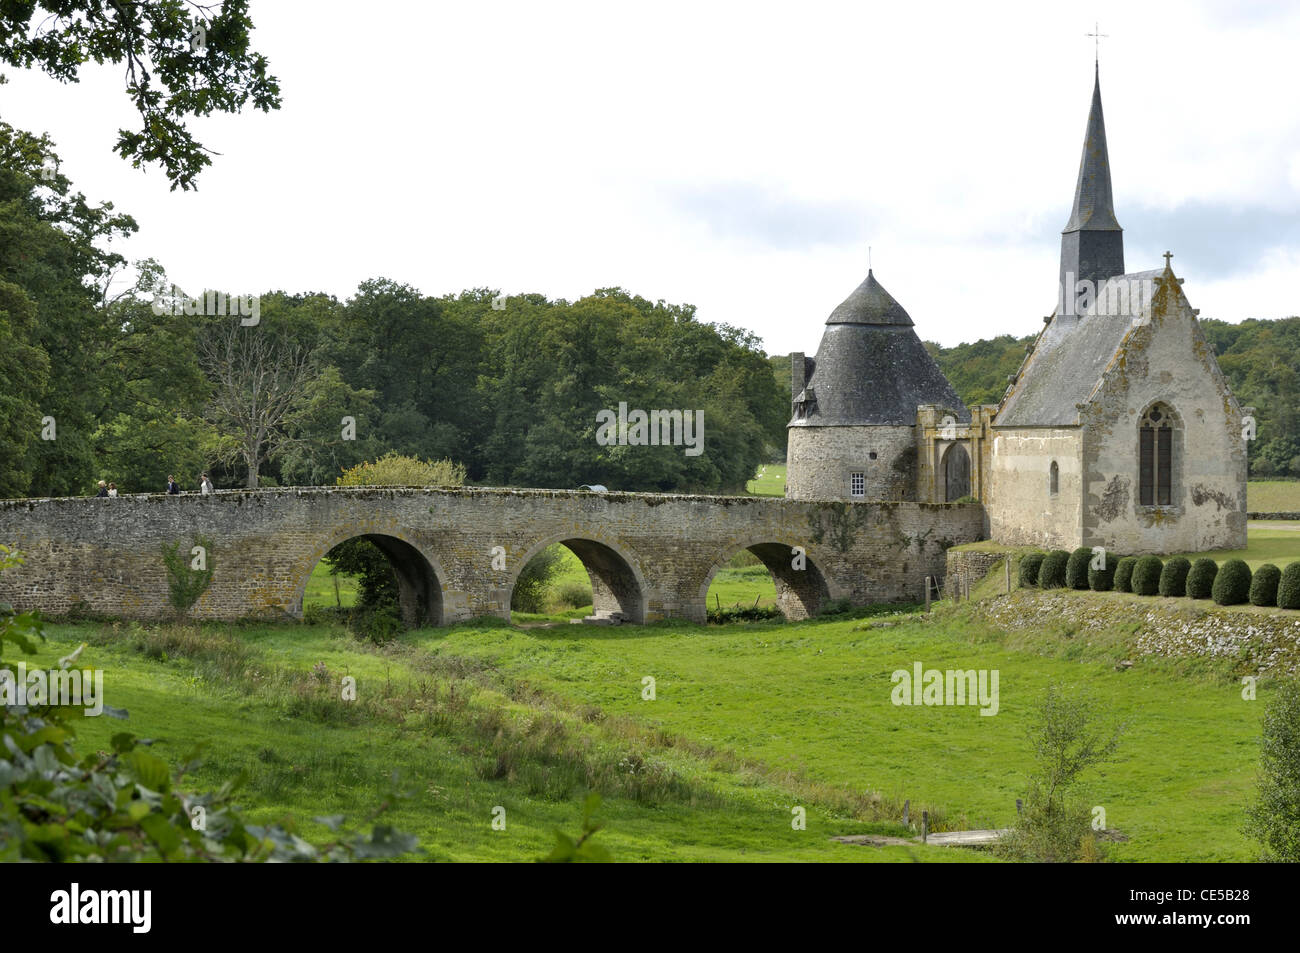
x: 531, y: 587
x: 1030, y: 565
x: 1232, y: 584
x: 1146, y: 575
x: 1273, y: 817
x: 1124, y: 573
x: 1264, y: 584
x: 1173, y: 577
x: 583, y: 849
x: 1200, y: 581
x: 176, y: 67
x: 186, y: 583
x: 1076, y: 568
x: 1101, y: 578
x: 1288, y: 590
x: 128, y: 804
x: 1068, y: 738
x: 393, y: 469
x: 1051, y: 574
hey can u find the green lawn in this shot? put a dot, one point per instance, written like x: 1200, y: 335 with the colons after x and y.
x: 1267, y: 541
x: 769, y: 481
x: 748, y: 721
x: 1273, y: 496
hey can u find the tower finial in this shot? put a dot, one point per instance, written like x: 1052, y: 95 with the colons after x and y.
x: 1097, y: 37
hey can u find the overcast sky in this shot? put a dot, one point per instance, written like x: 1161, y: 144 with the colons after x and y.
x: 738, y: 157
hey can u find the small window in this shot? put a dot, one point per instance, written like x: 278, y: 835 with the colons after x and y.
x: 872, y: 455
x: 1054, y: 479
x: 858, y: 484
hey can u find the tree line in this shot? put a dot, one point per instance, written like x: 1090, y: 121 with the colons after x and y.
x: 132, y: 385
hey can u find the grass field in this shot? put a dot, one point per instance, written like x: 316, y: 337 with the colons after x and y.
x: 769, y: 481
x: 748, y: 721
x: 1273, y: 496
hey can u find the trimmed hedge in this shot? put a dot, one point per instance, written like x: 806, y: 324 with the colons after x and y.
x: 1232, y: 584
x: 1146, y: 576
x: 1051, y: 574
x: 1103, y: 580
x: 1124, y: 574
x: 1263, y: 585
x: 1288, y: 590
x: 1076, y: 568
x: 1200, y: 581
x: 1029, y: 564
x: 1173, y: 578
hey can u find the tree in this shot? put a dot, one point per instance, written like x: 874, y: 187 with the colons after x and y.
x: 1068, y: 738
x: 178, y: 66
x: 261, y: 380
x: 1273, y: 818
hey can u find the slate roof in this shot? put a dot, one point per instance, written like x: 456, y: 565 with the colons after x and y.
x: 1094, y: 205
x: 872, y: 369
x: 1070, y: 356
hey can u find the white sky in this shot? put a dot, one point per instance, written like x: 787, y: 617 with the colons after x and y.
x: 740, y: 157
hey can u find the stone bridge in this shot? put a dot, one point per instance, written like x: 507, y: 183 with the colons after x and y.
x: 650, y: 556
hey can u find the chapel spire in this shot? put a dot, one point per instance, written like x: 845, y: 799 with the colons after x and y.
x: 1092, y: 243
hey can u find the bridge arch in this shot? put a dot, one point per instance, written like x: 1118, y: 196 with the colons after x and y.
x: 419, y: 576
x: 617, y: 582
x: 800, y: 593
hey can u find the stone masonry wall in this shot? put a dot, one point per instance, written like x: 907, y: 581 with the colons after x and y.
x: 653, y: 556
x: 819, y: 461
x: 1022, y: 510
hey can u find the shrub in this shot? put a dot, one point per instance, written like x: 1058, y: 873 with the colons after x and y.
x: 1076, y: 568
x: 1101, y: 578
x: 1263, y: 585
x: 379, y: 624
x: 1051, y: 574
x: 1146, y: 575
x: 1271, y: 816
x: 573, y: 594
x: 1124, y: 574
x: 393, y: 469
x: 1200, y: 581
x: 1070, y: 735
x: 1173, y: 578
x: 1232, y: 584
x: 1029, y: 566
x: 533, y: 584
x: 1288, y: 590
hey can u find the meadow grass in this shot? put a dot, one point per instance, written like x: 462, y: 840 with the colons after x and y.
x: 1273, y: 496
x: 768, y: 481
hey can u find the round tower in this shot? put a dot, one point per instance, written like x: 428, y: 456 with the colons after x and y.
x: 853, y: 433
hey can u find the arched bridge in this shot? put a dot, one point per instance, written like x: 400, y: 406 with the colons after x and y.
x: 650, y: 556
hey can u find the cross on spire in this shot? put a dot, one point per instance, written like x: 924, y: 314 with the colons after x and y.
x: 1097, y: 37
x: 1168, y: 255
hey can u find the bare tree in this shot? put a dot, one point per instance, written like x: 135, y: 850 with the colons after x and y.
x: 261, y: 380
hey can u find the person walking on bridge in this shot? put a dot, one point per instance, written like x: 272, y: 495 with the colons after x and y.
x: 172, y: 486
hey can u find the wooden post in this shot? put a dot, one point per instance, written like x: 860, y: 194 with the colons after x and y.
x: 907, y: 807
x: 927, y: 594
x: 1020, y: 807
x: 1008, y: 564
x: 925, y: 826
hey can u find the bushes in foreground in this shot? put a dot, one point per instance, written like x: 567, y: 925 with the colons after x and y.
x: 1232, y: 584
x: 1051, y: 574
x: 1124, y: 574
x: 1288, y: 590
x: 1101, y: 574
x: 1146, y: 576
x: 1030, y: 564
x: 1200, y: 581
x: 1263, y: 585
x: 1173, y: 578
x: 1076, y: 568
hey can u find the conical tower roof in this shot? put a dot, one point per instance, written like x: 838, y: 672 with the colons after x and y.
x: 871, y: 369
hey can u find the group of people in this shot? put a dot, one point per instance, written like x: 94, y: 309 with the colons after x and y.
x: 110, y: 489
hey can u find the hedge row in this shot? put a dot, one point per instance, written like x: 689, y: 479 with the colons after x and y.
x: 1230, y: 584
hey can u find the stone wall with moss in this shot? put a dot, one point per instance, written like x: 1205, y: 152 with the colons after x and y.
x: 457, y: 552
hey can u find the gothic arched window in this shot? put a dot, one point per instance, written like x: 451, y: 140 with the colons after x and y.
x: 1156, y: 456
